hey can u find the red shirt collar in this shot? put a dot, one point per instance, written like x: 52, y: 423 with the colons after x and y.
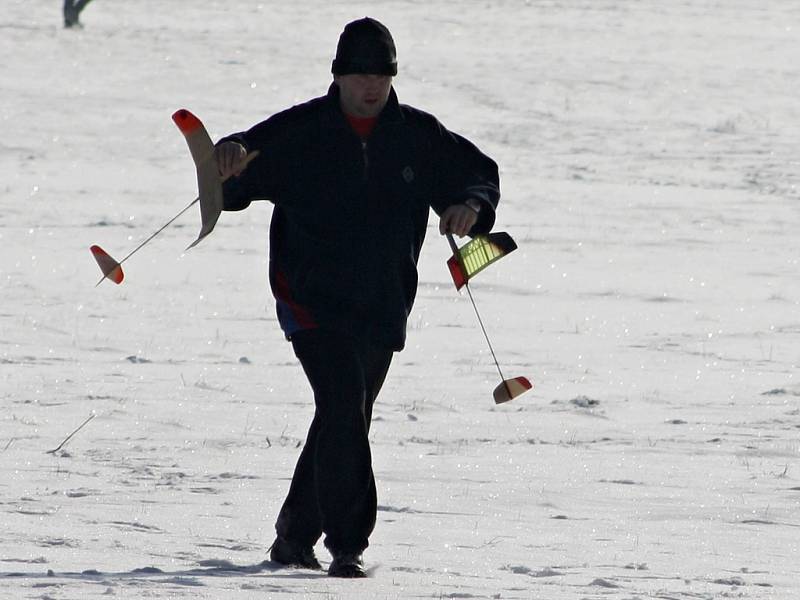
x: 363, y: 126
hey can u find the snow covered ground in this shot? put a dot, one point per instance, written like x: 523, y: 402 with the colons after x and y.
x: 650, y: 165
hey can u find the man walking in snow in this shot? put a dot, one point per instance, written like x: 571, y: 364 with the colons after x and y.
x: 352, y: 175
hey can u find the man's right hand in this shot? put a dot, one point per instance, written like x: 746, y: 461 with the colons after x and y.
x: 231, y: 159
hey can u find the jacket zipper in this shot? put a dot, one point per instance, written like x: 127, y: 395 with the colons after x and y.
x: 366, y: 158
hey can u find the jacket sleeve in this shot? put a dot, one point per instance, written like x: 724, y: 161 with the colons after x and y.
x: 259, y: 180
x: 462, y: 171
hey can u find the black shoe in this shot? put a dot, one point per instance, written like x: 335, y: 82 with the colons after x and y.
x: 347, y: 565
x: 290, y: 554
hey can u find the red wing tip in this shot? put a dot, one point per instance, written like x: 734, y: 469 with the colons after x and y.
x: 186, y: 121
x: 456, y: 272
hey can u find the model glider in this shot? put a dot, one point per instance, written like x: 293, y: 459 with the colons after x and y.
x: 468, y: 261
x: 209, y: 192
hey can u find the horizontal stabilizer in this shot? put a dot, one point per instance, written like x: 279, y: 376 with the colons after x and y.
x: 111, y: 268
x: 511, y: 388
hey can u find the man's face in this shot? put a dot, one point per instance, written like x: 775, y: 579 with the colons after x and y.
x: 363, y: 95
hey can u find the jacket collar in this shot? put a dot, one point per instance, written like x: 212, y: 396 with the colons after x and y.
x: 334, y: 116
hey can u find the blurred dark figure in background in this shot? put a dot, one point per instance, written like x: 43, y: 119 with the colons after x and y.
x: 72, y: 10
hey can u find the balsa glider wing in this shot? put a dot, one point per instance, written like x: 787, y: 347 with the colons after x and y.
x: 477, y: 254
x: 209, y: 186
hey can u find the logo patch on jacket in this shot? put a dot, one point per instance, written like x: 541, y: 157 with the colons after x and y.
x: 408, y: 174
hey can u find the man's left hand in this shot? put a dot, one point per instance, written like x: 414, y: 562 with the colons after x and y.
x: 458, y: 219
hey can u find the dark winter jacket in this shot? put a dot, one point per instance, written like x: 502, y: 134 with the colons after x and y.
x: 350, y: 216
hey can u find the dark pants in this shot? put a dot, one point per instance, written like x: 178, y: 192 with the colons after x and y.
x: 333, y: 488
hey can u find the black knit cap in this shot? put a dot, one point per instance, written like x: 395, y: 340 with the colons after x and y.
x: 367, y: 47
